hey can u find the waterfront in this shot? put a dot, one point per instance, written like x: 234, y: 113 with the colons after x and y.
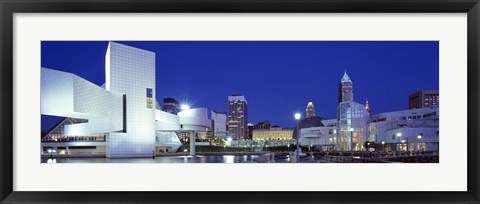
x: 250, y: 158
x: 163, y: 159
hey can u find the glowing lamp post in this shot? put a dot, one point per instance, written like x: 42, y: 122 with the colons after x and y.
x: 419, y: 137
x: 298, y: 116
x: 399, y: 136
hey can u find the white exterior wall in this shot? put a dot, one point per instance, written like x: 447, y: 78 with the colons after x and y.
x: 394, y: 121
x: 318, y: 136
x: 67, y: 95
x: 429, y: 134
x: 194, y: 119
x: 166, y: 121
x: 131, y: 71
x: 94, y: 126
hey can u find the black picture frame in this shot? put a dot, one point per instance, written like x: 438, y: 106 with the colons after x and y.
x: 10, y: 7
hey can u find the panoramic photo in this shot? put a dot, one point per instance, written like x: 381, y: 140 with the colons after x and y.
x: 239, y: 102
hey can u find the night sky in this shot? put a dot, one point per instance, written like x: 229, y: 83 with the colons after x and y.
x: 278, y: 78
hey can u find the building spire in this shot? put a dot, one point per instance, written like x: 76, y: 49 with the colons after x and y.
x: 367, y: 106
x: 345, y: 77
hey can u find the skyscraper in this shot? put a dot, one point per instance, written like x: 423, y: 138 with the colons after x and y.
x: 423, y: 99
x: 171, y: 105
x: 345, y: 89
x: 310, y: 111
x: 237, y: 117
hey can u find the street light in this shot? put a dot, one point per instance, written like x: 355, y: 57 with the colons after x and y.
x: 185, y: 107
x: 298, y: 116
x: 419, y: 137
x: 399, y: 135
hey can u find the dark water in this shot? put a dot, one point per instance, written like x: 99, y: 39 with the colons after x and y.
x: 169, y: 159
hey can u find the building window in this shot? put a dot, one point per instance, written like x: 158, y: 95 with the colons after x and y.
x: 149, y: 98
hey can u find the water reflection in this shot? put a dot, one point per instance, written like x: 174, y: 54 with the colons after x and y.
x: 170, y: 159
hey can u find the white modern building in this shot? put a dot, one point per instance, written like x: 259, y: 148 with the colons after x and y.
x: 120, y: 119
x: 413, y: 129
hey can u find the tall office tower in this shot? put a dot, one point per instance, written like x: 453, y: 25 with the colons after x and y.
x: 131, y: 71
x: 171, y: 105
x: 310, y: 111
x: 345, y: 89
x: 423, y: 99
x: 237, y: 117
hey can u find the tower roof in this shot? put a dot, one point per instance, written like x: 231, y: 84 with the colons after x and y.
x: 310, y: 104
x: 345, y: 77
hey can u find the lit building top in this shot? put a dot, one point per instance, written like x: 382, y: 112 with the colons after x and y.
x: 345, y: 77
x: 310, y: 111
x: 237, y: 97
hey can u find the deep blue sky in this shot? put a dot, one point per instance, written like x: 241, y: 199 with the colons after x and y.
x: 278, y: 78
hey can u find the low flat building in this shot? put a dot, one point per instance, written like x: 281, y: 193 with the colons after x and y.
x: 272, y: 134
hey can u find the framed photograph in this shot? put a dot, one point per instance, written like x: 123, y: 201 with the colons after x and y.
x: 239, y: 101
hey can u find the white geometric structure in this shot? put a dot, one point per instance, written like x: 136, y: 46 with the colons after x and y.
x: 131, y: 71
x: 125, y: 111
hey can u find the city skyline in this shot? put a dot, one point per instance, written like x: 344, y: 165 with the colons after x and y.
x: 270, y: 103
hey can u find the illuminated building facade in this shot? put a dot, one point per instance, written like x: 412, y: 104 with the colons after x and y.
x: 417, y: 129
x: 237, y: 117
x: 352, y: 126
x: 120, y: 119
x: 345, y: 89
x: 423, y: 99
x: 407, y: 130
x: 272, y: 134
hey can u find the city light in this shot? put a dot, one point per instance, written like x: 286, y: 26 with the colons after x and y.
x: 399, y: 134
x: 298, y: 116
x: 383, y: 142
x: 185, y: 107
x: 229, y: 139
x: 419, y: 136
